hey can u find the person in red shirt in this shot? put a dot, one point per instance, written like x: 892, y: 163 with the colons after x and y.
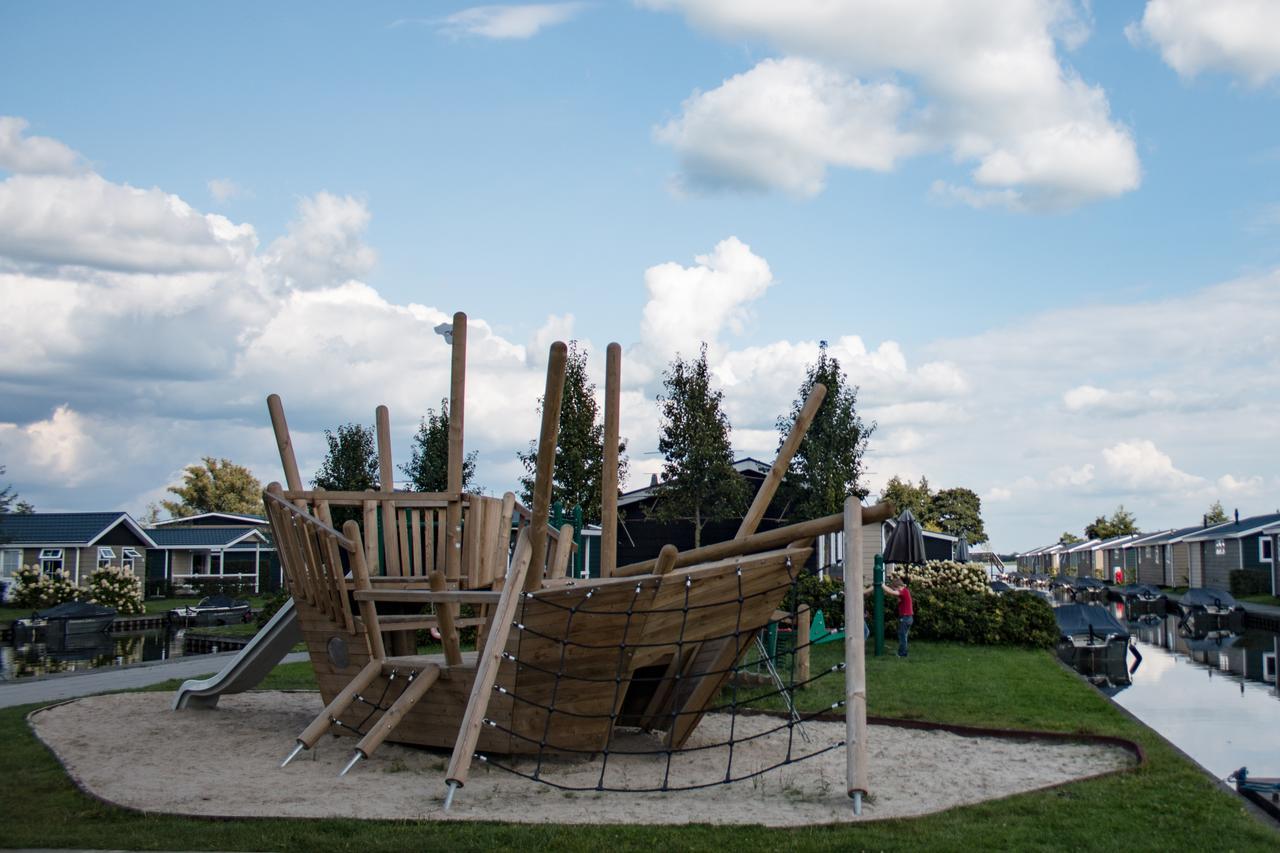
x: 906, y: 612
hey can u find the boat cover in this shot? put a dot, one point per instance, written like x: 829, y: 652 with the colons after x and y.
x: 1140, y: 590
x: 1077, y: 620
x: 1208, y: 597
x: 76, y: 610
x: 1083, y: 582
x: 221, y: 600
x: 1001, y: 586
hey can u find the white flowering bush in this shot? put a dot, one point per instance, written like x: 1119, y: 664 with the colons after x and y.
x: 37, y: 590
x: 945, y: 575
x: 118, y: 587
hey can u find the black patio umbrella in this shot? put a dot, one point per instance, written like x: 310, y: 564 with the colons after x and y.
x: 905, y: 545
x: 962, y: 550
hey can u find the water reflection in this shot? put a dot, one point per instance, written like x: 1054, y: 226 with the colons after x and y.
x: 1210, y: 690
x: 82, y: 652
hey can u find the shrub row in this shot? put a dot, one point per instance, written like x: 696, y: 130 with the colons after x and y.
x: 111, y: 587
x: 1250, y: 582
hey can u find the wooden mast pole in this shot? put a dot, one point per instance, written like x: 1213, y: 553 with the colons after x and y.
x: 609, y: 473
x: 551, y: 400
x: 855, y: 684
x: 457, y: 405
x: 769, y: 487
x: 285, y: 445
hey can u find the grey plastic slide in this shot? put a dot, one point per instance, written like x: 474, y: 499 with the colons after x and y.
x: 247, y: 669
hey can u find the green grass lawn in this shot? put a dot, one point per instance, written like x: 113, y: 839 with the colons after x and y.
x: 1261, y: 598
x: 1167, y: 803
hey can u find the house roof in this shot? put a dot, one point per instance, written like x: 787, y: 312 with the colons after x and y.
x: 70, y: 529
x: 214, y: 519
x: 1236, y: 529
x: 1118, y: 541
x: 1145, y: 538
x: 1087, y: 545
x: 742, y: 466
x: 177, y: 538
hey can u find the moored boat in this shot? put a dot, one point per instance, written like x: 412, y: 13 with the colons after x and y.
x: 64, y: 620
x: 1093, y: 642
x: 212, y: 610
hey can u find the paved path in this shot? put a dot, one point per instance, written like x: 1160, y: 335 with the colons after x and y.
x: 119, y: 678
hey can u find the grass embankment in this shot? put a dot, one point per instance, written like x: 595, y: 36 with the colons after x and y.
x: 1168, y: 801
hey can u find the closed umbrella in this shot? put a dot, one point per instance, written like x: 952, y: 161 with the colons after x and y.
x: 962, y: 550
x: 905, y: 545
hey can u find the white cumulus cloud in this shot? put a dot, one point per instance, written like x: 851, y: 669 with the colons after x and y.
x: 34, y: 155
x: 1239, y: 37
x: 983, y: 79
x: 508, y: 21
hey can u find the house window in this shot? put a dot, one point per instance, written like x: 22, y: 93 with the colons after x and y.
x: 1264, y: 549
x: 106, y: 556
x: 1220, y: 547
x: 50, y: 560
x: 10, y: 562
x: 130, y: 558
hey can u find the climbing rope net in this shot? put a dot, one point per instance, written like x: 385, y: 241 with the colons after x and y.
x: 733, y: 695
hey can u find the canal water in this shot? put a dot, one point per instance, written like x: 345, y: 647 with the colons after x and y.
x: 1212, y: 693
x: 25, y: 660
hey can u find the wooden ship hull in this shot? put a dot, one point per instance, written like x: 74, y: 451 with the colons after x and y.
x: 559, y: 663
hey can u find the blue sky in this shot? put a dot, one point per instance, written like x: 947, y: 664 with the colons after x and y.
x: 1041, y: 236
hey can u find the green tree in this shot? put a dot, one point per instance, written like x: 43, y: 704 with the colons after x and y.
x: 1120, y: 523
x: 428, y: 468
x: 699, y: 482
x: 958, y: 512
x: 216, y: 485
x: 351, y: 464
x: 10, y: 502
x: 827, y: 466
x: 1216, y: 514
x: 906, y: 495
x: 578, y: 474
x: 1069, y: 538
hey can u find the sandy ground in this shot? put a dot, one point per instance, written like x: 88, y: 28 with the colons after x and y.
x: 132, y: 750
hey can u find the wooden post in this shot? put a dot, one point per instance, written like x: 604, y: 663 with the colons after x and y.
x: 392, y: 716
x: 487, y: 667
x: 855, y: 684
x: 457, y: 406
x: 360, y: 574
x: 666, y: 559
x: 276, y: 409
x: 769, y: 487
x: 551, y: 400
x: 445, y: 613
x: 386, y: 476
x: 609, y: 473
x: 564, y: 551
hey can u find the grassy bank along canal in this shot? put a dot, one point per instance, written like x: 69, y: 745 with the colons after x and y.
x: 1166, y: 798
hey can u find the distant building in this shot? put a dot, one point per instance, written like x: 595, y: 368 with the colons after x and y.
x: 76, y: 543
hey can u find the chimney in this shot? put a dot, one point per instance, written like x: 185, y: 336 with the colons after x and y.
x: 653, y: 480
x: 1237, y: 516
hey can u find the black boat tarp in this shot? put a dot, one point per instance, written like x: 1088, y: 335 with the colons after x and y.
x: 76, y: 610
x: 1086, y: 582
x: 1001, y: 586
x: 221, y: 600
x: 1088, y: 621
x: 1208, y: 598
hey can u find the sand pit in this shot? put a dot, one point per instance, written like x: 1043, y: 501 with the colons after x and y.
x: 132, y: 750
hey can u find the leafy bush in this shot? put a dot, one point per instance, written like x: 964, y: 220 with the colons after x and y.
x: 118, y: 587
x: 825, y: 595
x: 37, y: 590
x: 1250, y: 582
x: 945, y: 574
x: 1013, y: 619
x: 271, y: 606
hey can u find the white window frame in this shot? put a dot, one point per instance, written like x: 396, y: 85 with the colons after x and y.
x: 106, y: 556
x: 129, y: 558
x: 9, y: 567
x: 1220, y: 547
x: 1264, y: 549
x: 49, y: 556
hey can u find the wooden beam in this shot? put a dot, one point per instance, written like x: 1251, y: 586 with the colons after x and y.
x: 609, y: 473
x: 488, y: 664
x: 751, y: 521
x: 564, y: 550
x: 766, y: 541
x: 424, y: 596
x: 386, y: 478
x: 457, y: 406
x: 551, y: 400
x: 855, y: 684
x: 445, y: 613
x: 283, y: 443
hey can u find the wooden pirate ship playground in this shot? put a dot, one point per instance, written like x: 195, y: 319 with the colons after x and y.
x: 561, y: 665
